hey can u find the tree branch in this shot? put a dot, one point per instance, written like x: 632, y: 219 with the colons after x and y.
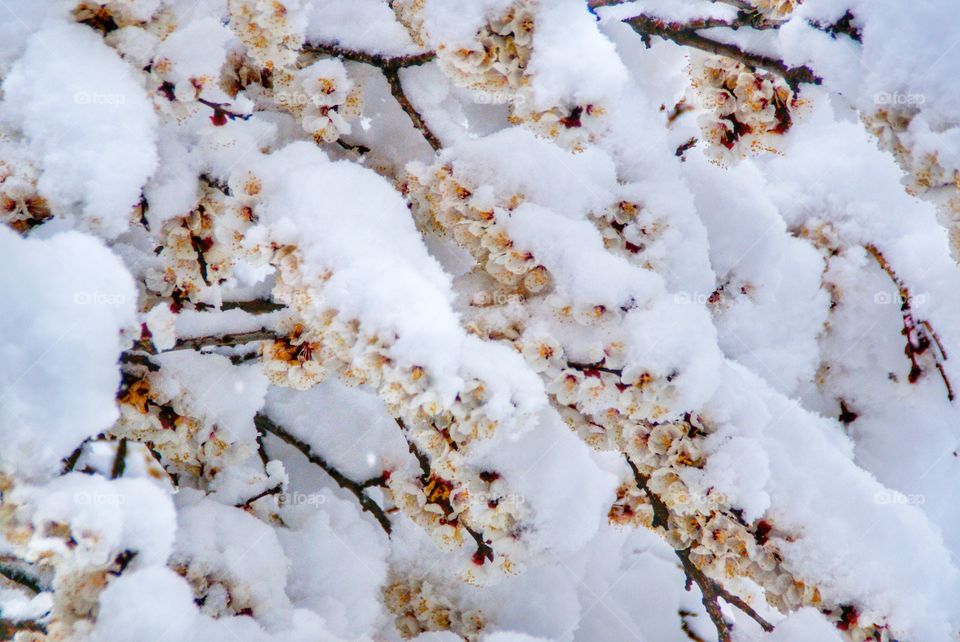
x: 71, y: 461
x: 265, y: 425
x: 226, y: 340
x: 710, y: 589
x: 591, y: 368
x: 10, y: 627
x: 390, y: 66
x: 120, y: 459
x: 22, y: 578
x: 256, y: 306
x: 920, y: 335
x: 396, y: 88
x: 687, y: 35
x: 270, y: 491
x: 484, y: 551
x: 376, y: 60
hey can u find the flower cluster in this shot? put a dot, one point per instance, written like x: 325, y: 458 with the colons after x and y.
x: 21, y: 206
x: 152, y: 412
x: 635, y: 231
x: 498, y: 58
x: 454, y: 206
x: 495, y: 65
x: 446, y: 499
x: 615, y: 405
x: 418, y: 607
x: 108, y: 15
x: 218, y: 594
x: 927, y: 172
x: 573, y: 127
x: 319, y: 95
x: 323, y: 344
x: 746, y: 110
x: 198, y: 250
x: 272, y: 38
x: 776, y: 9
x: 323, y: 99
x: 76, y: 553
x: 719, y: 541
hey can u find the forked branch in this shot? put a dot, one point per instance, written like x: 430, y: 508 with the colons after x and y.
x: 711, y: 590
x: 266, y: 425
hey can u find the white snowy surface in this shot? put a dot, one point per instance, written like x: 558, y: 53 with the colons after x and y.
x: 66, y: 304
x: 88, y: 122
x: 755, y: 298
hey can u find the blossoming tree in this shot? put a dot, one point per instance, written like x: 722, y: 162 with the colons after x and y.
x: 501, y: 320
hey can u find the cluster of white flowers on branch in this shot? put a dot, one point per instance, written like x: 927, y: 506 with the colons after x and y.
x: 378, y: 320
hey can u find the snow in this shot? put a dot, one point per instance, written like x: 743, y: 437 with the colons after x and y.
x: 570, y: 250
x: 239, y: 550
x: 572, y: 60
x: 227, y: 396
x: 568, y: 517
x: 455, y: 24
x: 105, y: 517
x: 346, y: 426
x: 867, y: 534
x: 194, y: 54
x: 750, y: 306
x: 88, y: 122
x: 351, y: 553
x: 66, y: 305
x: 409, y: 299
x: 152, y: 603
x: 567, y: 183
x: 361, y: 25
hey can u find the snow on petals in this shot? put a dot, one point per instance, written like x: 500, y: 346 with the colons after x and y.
x: 88, y: 122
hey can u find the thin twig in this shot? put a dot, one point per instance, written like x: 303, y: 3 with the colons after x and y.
x: 710, y: 590
x: 396, y: 88
x: 685, y: 35
x: 139, y: 360
x: 390, y: 66
x: 270, y: 491
x: 422, y: 459
x: 256, y: 306
x: 351, y: 147
x: 71, y: 462
x: 376, y: 60
x: 226, y: 340
x: 265, y: 424
x: 920, y: 335
x: 120, y: 459
x: 685, y: 625
x: 22, y: 578
x: 592, y: 368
